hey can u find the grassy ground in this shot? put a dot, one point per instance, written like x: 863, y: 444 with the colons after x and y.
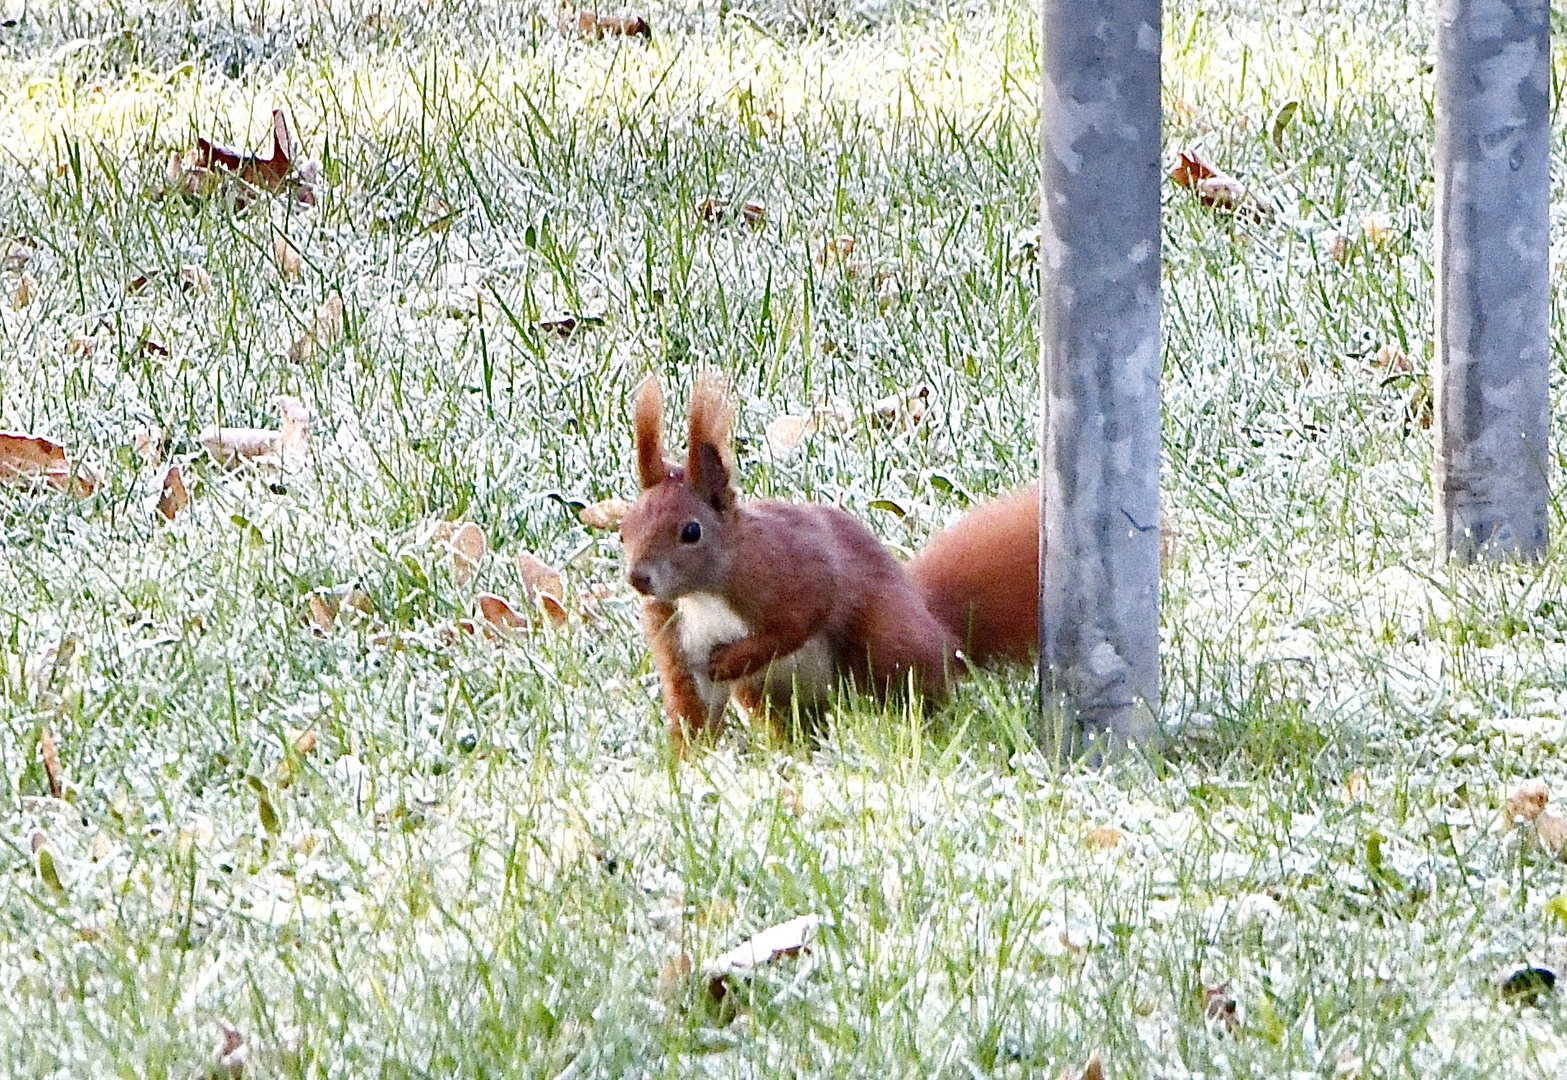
x: 486, y: 864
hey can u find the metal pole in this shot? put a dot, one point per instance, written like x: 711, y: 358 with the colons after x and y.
x: 1493, y: 174
x: 1099, y: 373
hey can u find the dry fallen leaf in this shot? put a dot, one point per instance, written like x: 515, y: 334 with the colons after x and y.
x: 323, y: 333
x: 1336, y: 244
x: 51, y: 758
x: 1393, y: 360
x: 1092, y: 1071
x: 1526, y: 801
x: 174, y: 496
x: 305, y: 742
x: 232, y: 1054
x: 1378, y: 230
x: 1551, y: 827
x: 1105, y: 837
x: 905, y: 409
x: 1356, y: 788
x: 673, y: 976
x: 322, y: 615
x: 1219, y: 1005
x: 785, y: 433
x: 467, y: 549
x: 149, y: 444
x: 837, y: 248
x: 287, y: 257
x: 19, y: 249
x: 1214, y: 189
x: 231, y: 446
x: 605, y: 514
x: 27, y: 460
x: 594, y: 25
x: 26, y: 290
x: 544, y: 586
x: 785, y: 939
x: 499, y: 614
x: 268, y: 173
x: 195, y: 279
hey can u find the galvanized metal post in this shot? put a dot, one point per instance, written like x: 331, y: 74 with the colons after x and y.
x: 1492, y: 277
x: 1099, y: 373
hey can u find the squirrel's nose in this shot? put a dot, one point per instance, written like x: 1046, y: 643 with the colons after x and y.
x: 642, y: 582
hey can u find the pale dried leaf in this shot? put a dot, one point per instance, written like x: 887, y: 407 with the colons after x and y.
x: 606, y: 514
x: 322, y: 612
x: 26, y: 291
x: 324, y: 332
x: 149, y: 444
x: 1551, y: 826
x: 173, y: 496
x: 1526, y: 801
x: 1105, y: 837
x: 1336, y: 244
x: 904, y: 409
x: 544, y: 585
x: 1393, y: 360
x: 51, y: 758
x: 1356, y: 788
x: 1378, y: 230
x: 835, y: 249
x: 785, y: 939
x: 195, y: 279
x: 786, y: 433
x: 286, y: 255
x: 305, y: 742
x: 231, y: 446
x: 674, y: 975
x: 468, y: 550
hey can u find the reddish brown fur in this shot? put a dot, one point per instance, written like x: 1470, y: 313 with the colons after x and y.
x: 648, y: 419
x: 791, y: 573
x: 980, y: 577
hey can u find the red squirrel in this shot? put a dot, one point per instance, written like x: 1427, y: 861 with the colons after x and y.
x: 774, y: 603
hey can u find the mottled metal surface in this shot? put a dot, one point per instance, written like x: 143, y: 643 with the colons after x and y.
x: 1099, y: 370
x: 1492, y: 277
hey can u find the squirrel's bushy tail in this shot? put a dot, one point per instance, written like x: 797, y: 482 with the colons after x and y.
x: 980, y: 578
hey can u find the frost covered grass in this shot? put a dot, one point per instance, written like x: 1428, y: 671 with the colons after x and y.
x: 392, y: 847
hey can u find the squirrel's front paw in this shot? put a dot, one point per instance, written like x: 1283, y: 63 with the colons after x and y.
x: 728, y: 662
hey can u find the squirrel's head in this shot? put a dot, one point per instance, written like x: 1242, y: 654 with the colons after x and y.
x: 675, y: 535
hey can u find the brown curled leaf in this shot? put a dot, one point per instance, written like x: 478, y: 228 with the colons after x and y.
x: 30, y: 460
x: 500, y: 614
x: 268, y: 173
x: 174, y: 495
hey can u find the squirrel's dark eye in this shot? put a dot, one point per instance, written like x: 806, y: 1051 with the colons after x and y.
x: 691, y: 532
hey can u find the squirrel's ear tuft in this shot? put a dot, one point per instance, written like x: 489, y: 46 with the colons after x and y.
x: 709, y: 463
x: 648, y: 418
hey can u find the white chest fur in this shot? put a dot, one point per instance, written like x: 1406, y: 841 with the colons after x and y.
x: 706, y: 622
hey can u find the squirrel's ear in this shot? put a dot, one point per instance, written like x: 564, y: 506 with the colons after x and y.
x: 709, y: 468
x: 648, y: 419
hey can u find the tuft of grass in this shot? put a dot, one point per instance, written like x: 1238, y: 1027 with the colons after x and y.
x: 403, y: 849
